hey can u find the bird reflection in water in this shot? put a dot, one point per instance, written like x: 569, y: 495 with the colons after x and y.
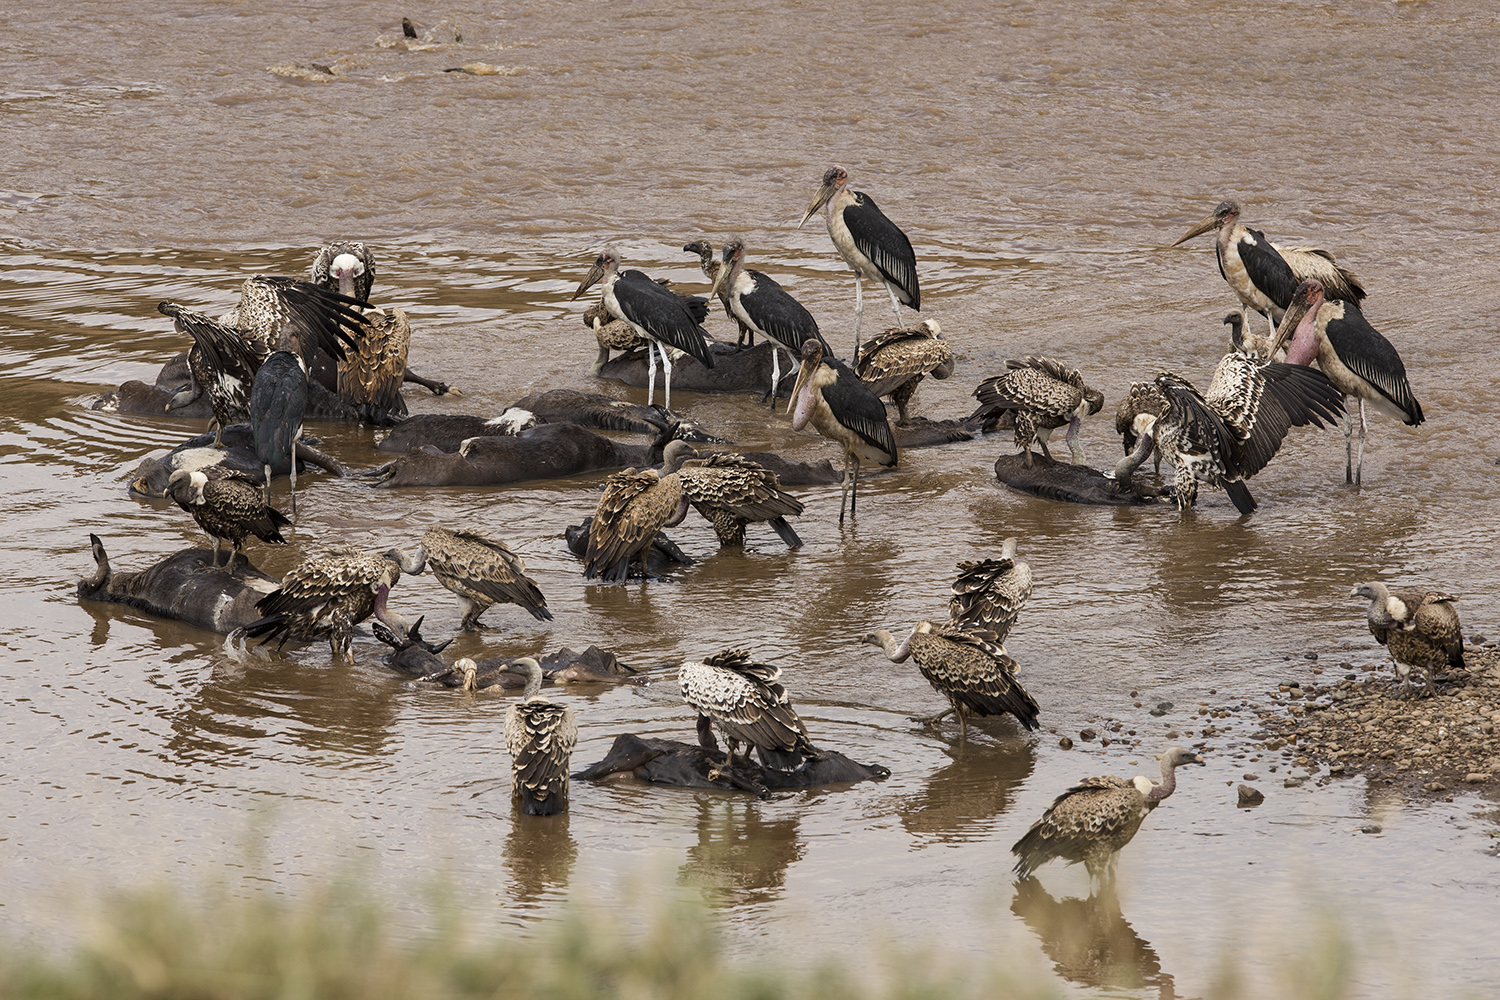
x: 539, y: 856
x: 1090, y: 942
x: 741, y: 857
x: 962, y: 797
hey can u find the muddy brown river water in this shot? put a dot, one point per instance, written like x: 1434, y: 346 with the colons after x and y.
x: 1041, y: 157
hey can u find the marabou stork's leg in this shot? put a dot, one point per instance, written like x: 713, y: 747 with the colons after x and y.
x: 859, y: 308
x: 895, y: 303
x: 1359, y: 462
x: 775, y: 372
x: 651, y: 372
x: 666, y: 366
x: 849, y: 460
x: 1349, y: 446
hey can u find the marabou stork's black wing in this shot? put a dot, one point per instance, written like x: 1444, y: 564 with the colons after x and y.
x: 1366, y: 353
x: 879, y: 239
x: 782, y: 317
x: 661, y: 313
x: 323, y: 263
x: 278, y: 402
x: 292, y: 315
x: 1266, y: 268
x: 859, y: 409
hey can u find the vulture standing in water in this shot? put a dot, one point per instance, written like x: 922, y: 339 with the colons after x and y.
x: 482, y: 571
x: 1094, y: 819
x: 989, y: 594
x: 1264, y: 275
x: 967, y: 666
x: 1228, y: 434
x: 747, y: 703
x: 1418, y: 626
x: 227, y: 508
x: 540, y: 736
x: 328, y: 595
x: 895, y: 362
x: 1044, y: 395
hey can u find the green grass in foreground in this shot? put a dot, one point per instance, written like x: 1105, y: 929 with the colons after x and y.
x: 339, y: 943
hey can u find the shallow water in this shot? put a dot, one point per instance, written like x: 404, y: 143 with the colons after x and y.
x: 1041, y: 160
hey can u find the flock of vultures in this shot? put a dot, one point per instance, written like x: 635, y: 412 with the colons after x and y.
x: 295, y: 350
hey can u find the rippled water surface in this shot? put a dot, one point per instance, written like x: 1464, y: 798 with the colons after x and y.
x: 1041, y: 158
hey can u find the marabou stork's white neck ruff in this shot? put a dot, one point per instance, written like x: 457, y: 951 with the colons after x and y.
x: 1355, y: 357
x: 762, y: 305
x: 654, y: 312
x: 842, y: 408
x: 869, y: 243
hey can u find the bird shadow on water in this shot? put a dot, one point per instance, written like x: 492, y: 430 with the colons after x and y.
x: 539, y: 856
x: 961, y: 797
x: 1090, y: 942
x: 742, y: 856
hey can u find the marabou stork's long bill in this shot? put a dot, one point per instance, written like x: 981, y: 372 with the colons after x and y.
x: 653, y: 312
x: 760, y: 303
x: 1265, y: 275
x: 1229, y: 433
x: 869, y: 242
x: 842, y: 408
x: 1355, y: 357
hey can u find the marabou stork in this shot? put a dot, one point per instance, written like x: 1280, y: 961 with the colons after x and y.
x: 278, y: 403
x: 746, y: 702
x: 759, y: 302
x: 1265, y: 275
x: 895, y: 362
x: 711, y: 266
x: 842, y: 408
x: 1094, y: 819
x: 328, y: 595
x: 540, y: 736
x: 1418, y: 626
x: 227, y: 508
x: 1355, y: 357
x: 653, y: 312
x: 1228, y: 434
x: 869, y: 242
x: 990, y: 593
x: 482, y: 571
x: 1044, y: 395
x: 968, y: 666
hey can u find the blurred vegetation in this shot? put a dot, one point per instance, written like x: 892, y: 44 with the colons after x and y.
x: 337, y: 943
